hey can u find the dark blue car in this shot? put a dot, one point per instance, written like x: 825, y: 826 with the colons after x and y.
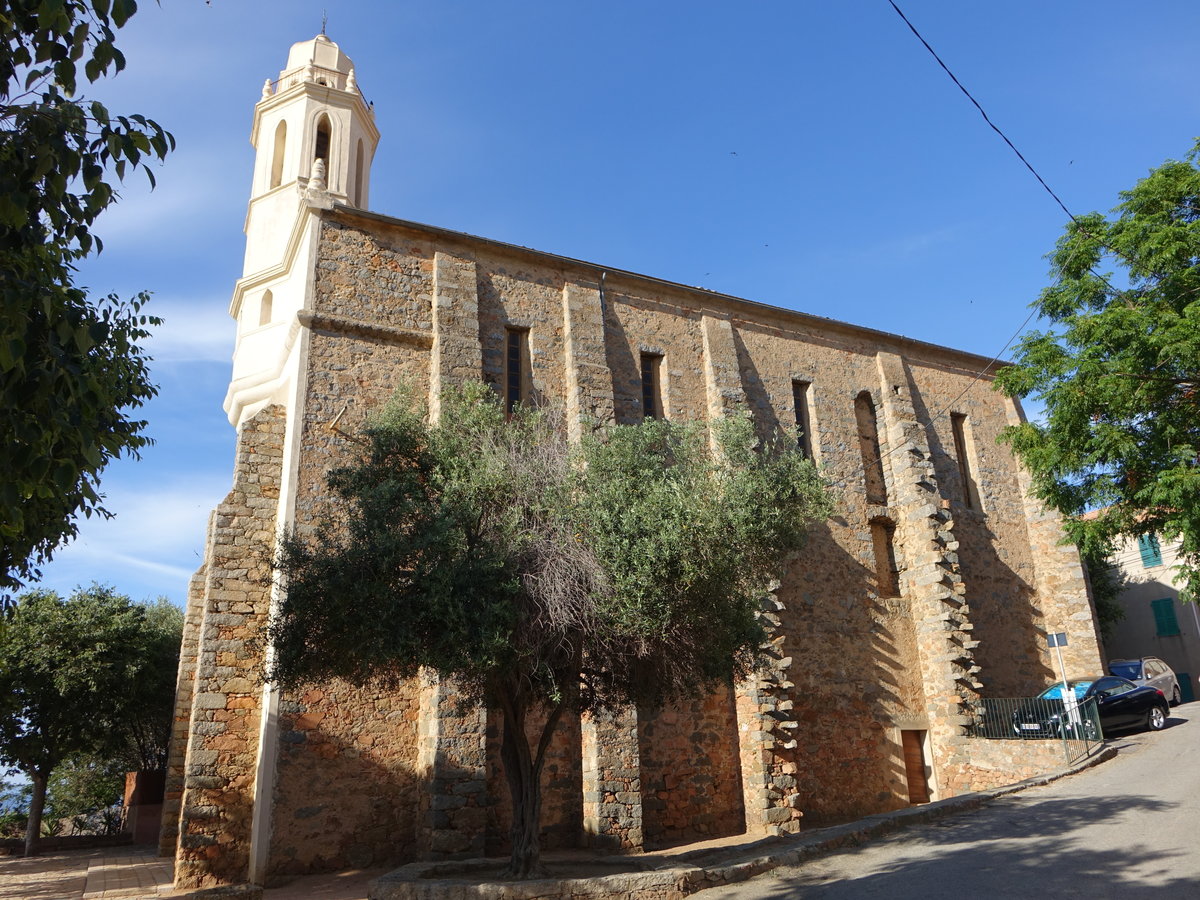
x: 1120, y: 704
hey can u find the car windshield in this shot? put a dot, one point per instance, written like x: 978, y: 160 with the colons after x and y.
x: 1055, y: 691
x: 1131, y: 669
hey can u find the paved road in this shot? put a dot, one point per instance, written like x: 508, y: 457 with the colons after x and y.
x: 1128, y: 829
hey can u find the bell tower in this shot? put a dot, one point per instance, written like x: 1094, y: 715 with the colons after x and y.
x: 313, y: 130
x: 314, y: 137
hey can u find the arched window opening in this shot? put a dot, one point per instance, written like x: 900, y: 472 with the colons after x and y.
x: 358, y: 174
x: 277, y: 154
x: 321, y: 148
x: 264, y: 309
x: 868, y: 445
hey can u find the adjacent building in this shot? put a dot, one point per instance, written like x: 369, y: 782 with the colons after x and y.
x: 934, y: 584
x: 1156, y: 622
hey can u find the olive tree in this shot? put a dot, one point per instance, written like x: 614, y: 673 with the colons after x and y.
x: 536, y: 574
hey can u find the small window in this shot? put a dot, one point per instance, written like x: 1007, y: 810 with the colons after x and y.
x: 277, y: 153
x: 358, y: 174
x: 1165, y: 622
x: 652, y: 386
x: 887, y: 573
x: 321, y: 146
x: 962, y: 452
x: 264, y: 309
x: 868, y: 445
x: 1150, y: 550
x: 516, y: 365
x: 804, y: 444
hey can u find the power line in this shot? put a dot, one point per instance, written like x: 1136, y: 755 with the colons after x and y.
x: 975, y: 103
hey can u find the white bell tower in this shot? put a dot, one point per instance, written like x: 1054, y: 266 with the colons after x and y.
x: 314, y: 135
x: 313, y: 112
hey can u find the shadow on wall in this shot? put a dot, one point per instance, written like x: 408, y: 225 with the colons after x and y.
x: 691, y: 770
x: 854, y: 669
x: 1003, y: 607
x: 1016, y: 847
x: 347, y: 793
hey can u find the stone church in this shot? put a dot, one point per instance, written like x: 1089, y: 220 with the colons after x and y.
x: 934, y: 585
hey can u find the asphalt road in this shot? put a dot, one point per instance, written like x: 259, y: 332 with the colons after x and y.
x: 1127, y: 829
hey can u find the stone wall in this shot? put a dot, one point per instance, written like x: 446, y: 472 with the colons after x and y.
x: 996, y: 763
x: 690, y: 771
x: 222, y: 747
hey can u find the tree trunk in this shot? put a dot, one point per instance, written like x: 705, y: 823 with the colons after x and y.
x: 37, y: 803
x: 522, y: 770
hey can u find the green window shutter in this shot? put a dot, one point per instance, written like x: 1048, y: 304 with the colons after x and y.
x: 1164, y: 617
x: 1150, y: 550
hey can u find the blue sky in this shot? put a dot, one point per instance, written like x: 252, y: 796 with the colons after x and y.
x: 808, y: 155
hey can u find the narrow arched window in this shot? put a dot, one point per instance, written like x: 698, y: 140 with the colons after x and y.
x: 321, y: 147
x: 868, y: 445
x: 358, y: 174
x: 264, y: 309
x: 277, y: 154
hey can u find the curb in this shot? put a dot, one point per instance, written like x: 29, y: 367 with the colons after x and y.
x: 687, y: 873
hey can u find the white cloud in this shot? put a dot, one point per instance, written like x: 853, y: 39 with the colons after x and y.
x: 198, y: 330
x: 152, y: 545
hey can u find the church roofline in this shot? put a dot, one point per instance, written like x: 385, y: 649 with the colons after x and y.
x: 986, y: 366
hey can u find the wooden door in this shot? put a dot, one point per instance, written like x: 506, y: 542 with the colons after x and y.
x: 914, y: 766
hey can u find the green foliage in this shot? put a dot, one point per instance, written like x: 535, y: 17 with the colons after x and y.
x: 487, y: 549
x: 85, y: 784
x: 71, y: 369
x: 1107, y: 583
x: 76, y: 675
x: 1119, y: 372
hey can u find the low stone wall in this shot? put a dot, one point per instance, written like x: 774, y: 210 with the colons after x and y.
x: 16, y: 846
x: 995, y: 763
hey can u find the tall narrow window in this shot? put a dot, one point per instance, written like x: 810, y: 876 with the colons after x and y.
x: 868, y: 445
x: 321, y: 146
x: 515, y: 356
x: 277, y: 154
x: 264, y: 308
x: 803, y: 427
x: 962, y: 452
x: 1165, y: 622
x: 652, y: 386
x: 887, y: 573
x: 1150, y: 550
x: 358, y: 174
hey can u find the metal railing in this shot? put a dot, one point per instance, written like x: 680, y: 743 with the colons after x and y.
x: 1076, y: 723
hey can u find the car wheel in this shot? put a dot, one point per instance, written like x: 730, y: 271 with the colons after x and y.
x: 1175, y: 696
x: 1156, y: 719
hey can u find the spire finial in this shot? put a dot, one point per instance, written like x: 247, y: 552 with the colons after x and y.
x: 324, y: 20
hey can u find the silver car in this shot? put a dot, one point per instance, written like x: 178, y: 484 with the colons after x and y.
x: 1148, y: 670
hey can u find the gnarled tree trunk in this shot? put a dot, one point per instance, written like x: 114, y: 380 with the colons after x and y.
x: 523, y: 771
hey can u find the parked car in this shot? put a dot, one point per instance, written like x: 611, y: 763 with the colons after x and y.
x: 1148, y: 670
x: 1119, y: 703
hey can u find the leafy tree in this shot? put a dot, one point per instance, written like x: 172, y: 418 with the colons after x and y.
x: 1107, y: 583
x: 70, y: 682
x: 71, y: 368
x: 1119, y: 372
x: 83, y: 784
x: 627, y: 570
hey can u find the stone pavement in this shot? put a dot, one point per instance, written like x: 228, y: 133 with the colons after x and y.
x: 138, y: 873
